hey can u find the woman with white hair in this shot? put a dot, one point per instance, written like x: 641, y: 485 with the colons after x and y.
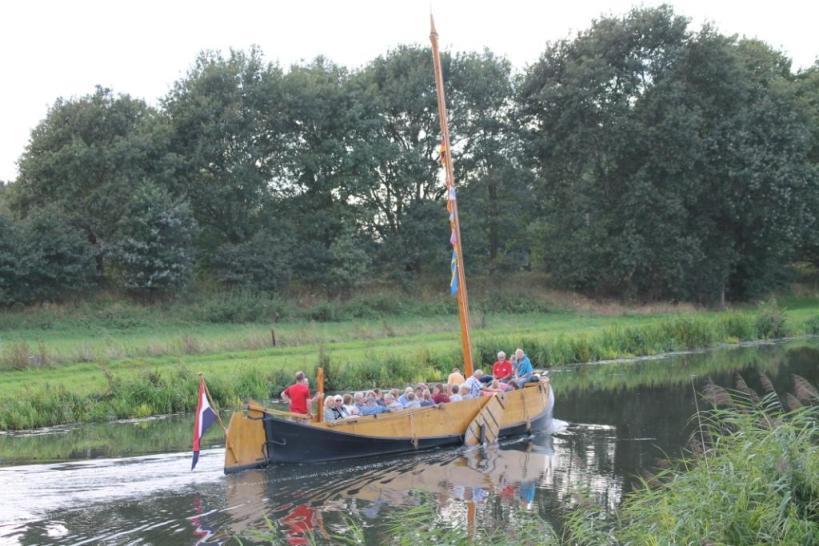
x: 330, y: 414
x: 502, y: 369
x: 340, y: 411
x: 523, y: 369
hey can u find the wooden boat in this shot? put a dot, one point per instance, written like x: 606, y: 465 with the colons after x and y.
x: 260, y: 436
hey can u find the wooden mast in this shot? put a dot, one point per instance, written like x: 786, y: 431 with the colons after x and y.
x: 452, y: 203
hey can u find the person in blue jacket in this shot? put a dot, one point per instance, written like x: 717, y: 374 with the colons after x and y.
x: 371, y: 407
x: 523, y: 368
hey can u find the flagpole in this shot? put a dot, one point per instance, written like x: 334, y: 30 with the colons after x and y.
x: 452, y: 202
x: 210, y: 400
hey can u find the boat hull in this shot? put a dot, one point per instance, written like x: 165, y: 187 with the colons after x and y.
x: 295, y: 441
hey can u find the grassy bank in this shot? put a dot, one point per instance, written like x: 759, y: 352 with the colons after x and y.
x: 753, y: 479
x: 151, y: 378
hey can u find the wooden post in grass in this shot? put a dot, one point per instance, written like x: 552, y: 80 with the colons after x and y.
x: 273, y: 337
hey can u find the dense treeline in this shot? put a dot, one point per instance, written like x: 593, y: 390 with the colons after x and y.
x: 639, y: 158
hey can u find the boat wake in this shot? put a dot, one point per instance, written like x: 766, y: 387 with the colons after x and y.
x: 43, y: 491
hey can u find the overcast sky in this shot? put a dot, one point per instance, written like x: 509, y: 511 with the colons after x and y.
x: 50, y: 49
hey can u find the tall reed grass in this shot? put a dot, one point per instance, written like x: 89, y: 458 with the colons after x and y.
x: 663, y: 336
x: 752, y: 478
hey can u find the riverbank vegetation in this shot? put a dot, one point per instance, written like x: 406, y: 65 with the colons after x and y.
x: 96, y: 371
x: 752, y: 478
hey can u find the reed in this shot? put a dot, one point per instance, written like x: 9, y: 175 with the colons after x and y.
x: 752, y: 478
x: 16, y: 356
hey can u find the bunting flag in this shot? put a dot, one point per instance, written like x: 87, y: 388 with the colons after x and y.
x: 453, y: 282
x: 202, y: 420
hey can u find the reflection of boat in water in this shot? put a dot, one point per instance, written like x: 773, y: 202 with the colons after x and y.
x: 466, y: 476
x: 260, y: 436
x: 511, y: 471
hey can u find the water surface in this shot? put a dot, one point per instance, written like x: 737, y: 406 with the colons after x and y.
x: 130, y: 482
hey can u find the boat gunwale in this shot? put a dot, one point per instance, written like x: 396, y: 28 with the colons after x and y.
x: 332, y: 427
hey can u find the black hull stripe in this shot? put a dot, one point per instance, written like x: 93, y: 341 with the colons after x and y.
x: 293, y: 442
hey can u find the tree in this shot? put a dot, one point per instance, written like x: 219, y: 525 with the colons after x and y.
x: 10, y: 274
x: 397, y: 178
x: 5, y: 195
x: 226, y: 128
x: 496, y: 197
x: 807, y: 91
x: 56, y: 257
x: 350, y: 264
x: 313, y: 195
x: 43, y: 258
x: 153, y: 250
x: 85, y: 158
x: 264, y: 262
x: 671, y: 164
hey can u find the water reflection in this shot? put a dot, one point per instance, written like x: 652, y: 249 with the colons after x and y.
x: 458, y: 481
x: 619, y: 421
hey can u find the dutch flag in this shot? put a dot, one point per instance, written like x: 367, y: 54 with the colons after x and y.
x: 204, y: 418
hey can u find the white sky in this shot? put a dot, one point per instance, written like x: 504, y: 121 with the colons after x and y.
x: 63, y: 48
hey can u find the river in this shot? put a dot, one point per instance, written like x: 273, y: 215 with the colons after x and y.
x: 130, y: 482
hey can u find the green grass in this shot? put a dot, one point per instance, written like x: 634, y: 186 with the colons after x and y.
x: 100, y: 364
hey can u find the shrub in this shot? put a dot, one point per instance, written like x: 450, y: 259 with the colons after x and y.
x: 739, y: 326
x: 812, y: 325
x: 262, y: 263
x: 153, y: 250
x: 770, y: 321
x: 239, y: 307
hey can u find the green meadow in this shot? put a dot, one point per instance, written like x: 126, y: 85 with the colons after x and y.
x: 61, y: 364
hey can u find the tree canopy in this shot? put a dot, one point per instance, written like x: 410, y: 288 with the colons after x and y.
x: 639, y: 158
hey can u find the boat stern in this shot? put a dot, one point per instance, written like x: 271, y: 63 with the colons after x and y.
x: 245, y: 440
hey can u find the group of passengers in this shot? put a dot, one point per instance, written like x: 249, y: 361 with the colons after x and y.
x: 507, y: 374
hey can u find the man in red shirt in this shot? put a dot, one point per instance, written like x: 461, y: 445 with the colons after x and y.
x: 502, y: 369
x: 298, y: 395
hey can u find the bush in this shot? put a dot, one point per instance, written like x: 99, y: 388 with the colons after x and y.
x: 741, y: 327
x: 812, y: 325
x: 770, y: 321
x: 262, y: 263
x: 153, y: 250
x: 43, y: 259
x: 239, y: 307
